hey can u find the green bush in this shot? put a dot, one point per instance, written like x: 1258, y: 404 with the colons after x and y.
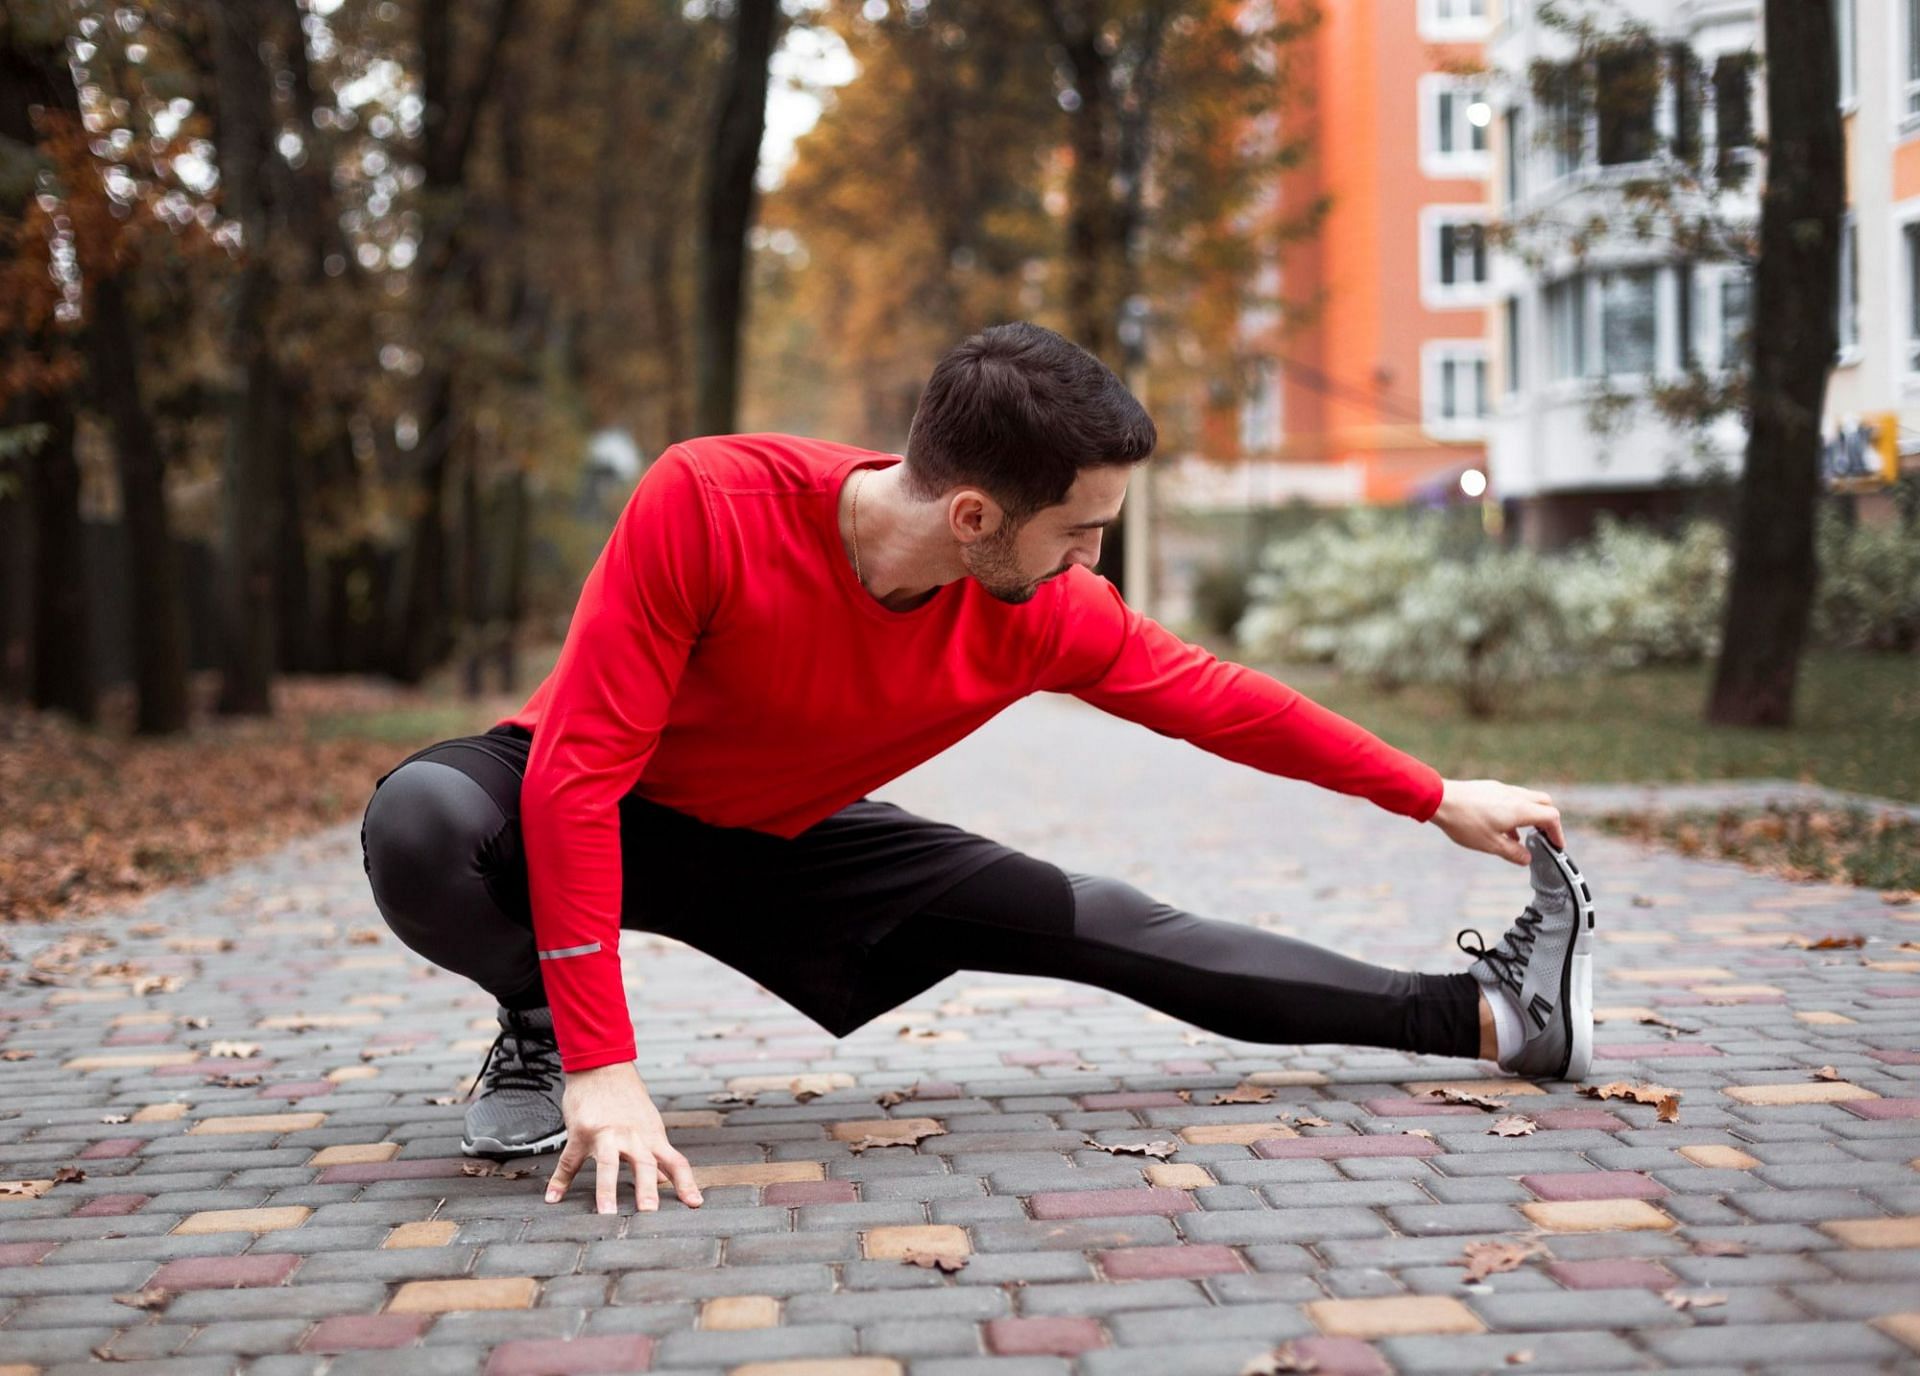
x: 1869, y: 591
x: 1633, y: 597
x: 1220, y: 597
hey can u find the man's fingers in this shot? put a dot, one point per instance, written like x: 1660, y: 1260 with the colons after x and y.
x: 680, y: 1171
x: 646, y: 1182
x: 606, y: 1180
x: 571, y: 1158
x: 1511, y: 847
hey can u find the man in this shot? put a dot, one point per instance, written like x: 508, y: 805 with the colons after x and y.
x: 778, y: 625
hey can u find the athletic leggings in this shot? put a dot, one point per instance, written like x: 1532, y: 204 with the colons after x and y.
x: 864, y: 911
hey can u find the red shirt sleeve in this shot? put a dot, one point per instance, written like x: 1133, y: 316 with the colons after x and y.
x: 640, y: 611
x: 1112, y: 656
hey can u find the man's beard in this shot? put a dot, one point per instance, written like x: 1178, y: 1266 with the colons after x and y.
x: 995, y: 565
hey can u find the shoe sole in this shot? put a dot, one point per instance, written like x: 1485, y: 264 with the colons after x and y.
x: 493, y: 1147
x: 1576, y: 975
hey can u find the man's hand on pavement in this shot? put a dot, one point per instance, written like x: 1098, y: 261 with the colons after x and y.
x: 611, y: 1119
x: 1485, y: 814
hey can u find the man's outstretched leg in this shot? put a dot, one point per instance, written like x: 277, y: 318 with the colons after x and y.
x: 1021, y: 915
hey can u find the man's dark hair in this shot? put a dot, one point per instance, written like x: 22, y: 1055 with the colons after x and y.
x: 1018, y: 410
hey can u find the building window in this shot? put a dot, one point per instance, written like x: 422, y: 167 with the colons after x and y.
x: 1628, y: 333
x: 1846, y: 37
x: 1736, y: 298
x: 1454, y: 253
x: 1260, y: 429
x: 1455, y: 116
x: 1688, y: 79
x: 1453, y: 19
x: 1627, y: 81
x: 1453, y: 394
x: 1566, y: 307
x: 1513, y: 379
x: 1913, y: 57
x: 1563, y: 120
x: 1516, y: 153
x: 1910, y: 240
x: 1733, y: 108
x: 1849, y: 297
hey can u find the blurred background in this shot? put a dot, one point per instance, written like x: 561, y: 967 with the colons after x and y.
x: 1538, y: 382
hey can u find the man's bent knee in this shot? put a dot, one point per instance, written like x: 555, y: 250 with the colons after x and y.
x: 421, y: 837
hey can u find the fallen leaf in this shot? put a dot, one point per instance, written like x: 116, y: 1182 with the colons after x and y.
x: 374, y: 1053
x: 1307, y: 1121
x: 1655, y: 1020
x: 147, y: 929
x: 156, y: 984
x: 1483, y: 1259
x: 1284, y: 1358
x: 233, y: 1081
x: 1641, y: 900
x: 116, y: 1118
x: 1460, y: 1096
x: 24, y: 1189
x: 806, y: 1088
x: 1700, y: 1299
x: 1159, y: 1148
x: 1827, y: 1072
x: 153, y: 1297
x: 66, y: 1175
x: 363, y: 936
x: 196, y: 1022
x: 907, y: 1137
x: 1666, y: 1100
x: 1513, y: 1125
x: 239, y: 1051
x: 1829, y: 942
x: 1417, y: 1132
x: 1085, y: 1065
x: 517, y: 1173
x: 887, y: 1098
x: 729, y: 1098
x: 476, y: 1168
x: 16, y: 1054
x: 1244, y: 1094
x: 1520, y: 1356
x: 943, y: 1261
x: 443, y: 1099
x: 1899, y: 897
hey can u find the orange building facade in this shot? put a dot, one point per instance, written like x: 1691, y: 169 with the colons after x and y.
x: 1383, y: 367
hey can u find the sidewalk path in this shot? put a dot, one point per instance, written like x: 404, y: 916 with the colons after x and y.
x: 261, y: 1088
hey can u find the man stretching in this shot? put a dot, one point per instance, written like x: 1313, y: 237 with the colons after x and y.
x: 778, y: 625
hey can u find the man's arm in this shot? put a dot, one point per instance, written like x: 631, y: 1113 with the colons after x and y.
x: 640, y: 612
x: 1112, y: 656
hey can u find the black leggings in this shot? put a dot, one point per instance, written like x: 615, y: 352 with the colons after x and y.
x: 865, y: 910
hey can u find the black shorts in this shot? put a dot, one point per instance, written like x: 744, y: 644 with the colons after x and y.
x: 798, y: 915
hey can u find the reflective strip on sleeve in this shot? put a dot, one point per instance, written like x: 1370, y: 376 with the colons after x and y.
x: 585, y: 950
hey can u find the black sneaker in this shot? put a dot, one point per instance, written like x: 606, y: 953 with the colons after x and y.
x: 520, y: 1083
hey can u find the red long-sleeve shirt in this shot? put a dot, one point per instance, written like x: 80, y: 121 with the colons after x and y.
x: 724, y: 660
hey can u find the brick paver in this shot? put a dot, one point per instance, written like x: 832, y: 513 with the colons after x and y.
x: 1056, y: 1194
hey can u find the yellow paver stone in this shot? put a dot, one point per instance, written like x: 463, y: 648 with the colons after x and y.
x: 1745, y: 991
x: 18, y: 1369
x: 757, y: 1173
x: 66, y: 996
x: 369, y: 962
x: 764, y: 1084
x: 355, y: 1154
x: 256, y: 1122
x: 892, y: 1243
x: 160, y: 1113
x: 1624, y: 1012
x: 436, y: 1233
x: 888, y: 1128
x: 1876, y: 1232
x: 1233, y: 1134
x: 244, y: 1220
x: 1720, y: 1158
x: 443, y: 1296
x: 136, y: 1020
x: 352, y: 1072
x: 1903, y: 1328
x: 281, y: 1021
x: 1672, y: 974
x: 1500, y: 1089
x: 1389, y: 1316
x: 377, y: 1000
x: 692, y: 1118
x: 12, y: 1190
x: 822, y: 1366
x: 131, y: 1060
x: 1168, y: 1175
x: 740, y: 1311
x: 1596, y: 1215
x: 1823, y: 1017
x: 1798, y: 1092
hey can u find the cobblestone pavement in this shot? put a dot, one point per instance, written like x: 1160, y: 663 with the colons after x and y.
x: 230, y: 1136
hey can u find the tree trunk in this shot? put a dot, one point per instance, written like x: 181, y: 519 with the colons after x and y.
x: 62, y: 676
x: 1794, y: 336
x: 731, y: 197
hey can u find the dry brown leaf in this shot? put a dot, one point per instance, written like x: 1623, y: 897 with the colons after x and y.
x: 1483, y: 1259
x: 1283, y: 1359
x: 66, y: 1175
x: 24, y: 1189
x: 1159, y: 1148
x: 1699, y: 1299
x: 153, y: 1297
x: 1085, y: 1065
x: 943, y: 1261
x: 444, y: 1099
x: 1460, y: 1096
x: 807, y: 1088
x: 1513, y: 1125
x: 732, y: 1100
x: 196, y: 1022
x: 239, y: 1051
x: 15, y: 1053
x: 1665, y: 1099
x: 233, y: 1081
x: 1244, y: 1094
x: 1899, y: 897
x: 1827, y: 1072
x: 363, y: 936
x: 1520, y: 1356
x: 887, y: 1098
x: 155, y: 984
x: 113, y: 1119
x: 1306, y: 1121
x: 476, y: 1168
x: 1830, y: 942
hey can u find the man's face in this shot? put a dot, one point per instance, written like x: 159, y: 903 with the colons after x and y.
x: 1011, y: 564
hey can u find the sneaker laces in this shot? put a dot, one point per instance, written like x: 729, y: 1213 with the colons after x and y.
x: 1508, y: 966
x: 533, y: 1063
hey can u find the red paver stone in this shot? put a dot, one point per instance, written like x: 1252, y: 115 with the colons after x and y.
x: 421, y: 1168
x: 225, y: 1273
x: 1594, y: 1185
x: 1134, y: 1098
x: 1577, y: 1118
x: 1892, y: 1057
x: 1895, y: 991
x: 1169, y: 1263
x: 110, y: 1205
x: 1331, y: 1148
x: 352, y: 1332
x: 720, y: 1055
x: 1109, y: 1203
x: 1408, y: 1107
x: 297, y: 1089
x: 109, y: 1147
x: 1882, y: 1108
x: 809, y: 1192
x: 1047, y: 1056
x: 1610, y: 1273
x: 546, y: 1357
x: 1651, y: 1051
x: 23, y: 1253
x: 1342, y: 1357
x: 1046, y: 1337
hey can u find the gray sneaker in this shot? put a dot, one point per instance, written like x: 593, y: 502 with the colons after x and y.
x: 1545, y: 963
x: 520, y: 1083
